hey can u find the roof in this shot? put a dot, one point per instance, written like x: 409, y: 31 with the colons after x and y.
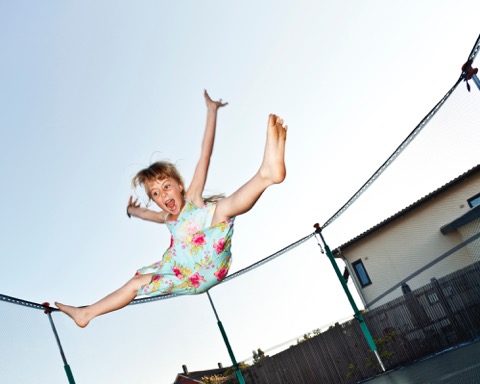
x: 416, y: 204
x: 182, y: 379
x: 195, y: 377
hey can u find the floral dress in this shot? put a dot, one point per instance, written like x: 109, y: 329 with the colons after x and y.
x: 198, y: 257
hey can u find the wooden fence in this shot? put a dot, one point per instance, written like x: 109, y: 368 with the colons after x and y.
x: 435, y: 317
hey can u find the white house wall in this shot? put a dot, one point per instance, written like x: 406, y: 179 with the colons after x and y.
x: 467, y: 232
x: 404, y: 246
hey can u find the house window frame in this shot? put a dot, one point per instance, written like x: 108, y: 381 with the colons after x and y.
x: 362, y: 276
x: 475, y: 199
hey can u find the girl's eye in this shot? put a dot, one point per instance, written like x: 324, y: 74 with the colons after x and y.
x: 155, y: 193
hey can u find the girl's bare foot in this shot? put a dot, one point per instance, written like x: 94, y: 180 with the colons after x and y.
x: 273, y: 165
x: 77, y: 314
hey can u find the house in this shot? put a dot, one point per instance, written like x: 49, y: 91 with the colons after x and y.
x: 435, y: 236
x: 187, y: 377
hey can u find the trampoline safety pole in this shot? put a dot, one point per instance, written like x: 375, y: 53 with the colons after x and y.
x: 68, y: 371
x: 476, y: 81
x: 238, y: 372
x: 358, y: 314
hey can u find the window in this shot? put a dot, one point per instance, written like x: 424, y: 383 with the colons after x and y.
x: 361, y: 273
x: 474, y: 201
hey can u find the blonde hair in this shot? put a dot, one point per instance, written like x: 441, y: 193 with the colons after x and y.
x: 161, y: 170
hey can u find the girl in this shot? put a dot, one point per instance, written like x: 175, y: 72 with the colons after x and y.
x: 199, y: 254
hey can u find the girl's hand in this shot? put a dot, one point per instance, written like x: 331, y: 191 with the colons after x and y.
x: 213, y: 105
x: 132, y: 206
x: 134, y: 209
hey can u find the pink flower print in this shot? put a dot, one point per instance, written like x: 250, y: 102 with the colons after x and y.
x: 221, y: 273
x: 199, y: 239
x: 195, y: 279
x: 171, y: 242
x: 156, y: 278
x: 177, y: 273
x: 219, y: 246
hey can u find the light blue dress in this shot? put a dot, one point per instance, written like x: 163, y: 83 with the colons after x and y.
x: 199, y: 255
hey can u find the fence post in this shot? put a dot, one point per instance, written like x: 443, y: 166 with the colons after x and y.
x: 448, y: 310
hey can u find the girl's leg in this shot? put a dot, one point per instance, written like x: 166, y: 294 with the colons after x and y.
x: 116, y: 300
x: 272, y: 171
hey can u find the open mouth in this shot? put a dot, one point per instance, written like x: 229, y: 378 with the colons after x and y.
x: 170, y: 204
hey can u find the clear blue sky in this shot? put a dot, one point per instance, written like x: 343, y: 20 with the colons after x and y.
x: 92, y: 91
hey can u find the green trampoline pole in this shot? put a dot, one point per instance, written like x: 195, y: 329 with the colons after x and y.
x: 238, y: 372
x: 68, y: 371
x: 358, y: 314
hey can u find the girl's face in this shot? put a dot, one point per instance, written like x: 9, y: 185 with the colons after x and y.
x: 167, y: 194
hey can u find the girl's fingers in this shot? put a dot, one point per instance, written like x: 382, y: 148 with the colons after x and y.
x: 132, y: 203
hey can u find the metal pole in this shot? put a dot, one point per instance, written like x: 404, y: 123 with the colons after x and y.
x: 238, y: 373
x: 68, y: 371
x: 358, y: 314
x: 476, y: 81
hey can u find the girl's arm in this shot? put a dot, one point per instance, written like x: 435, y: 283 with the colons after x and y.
x: 134, y: 209
x: 195, y: 190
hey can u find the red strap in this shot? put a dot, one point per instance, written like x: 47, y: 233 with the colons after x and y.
x: 47, y: 308
x: 469, y: 71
